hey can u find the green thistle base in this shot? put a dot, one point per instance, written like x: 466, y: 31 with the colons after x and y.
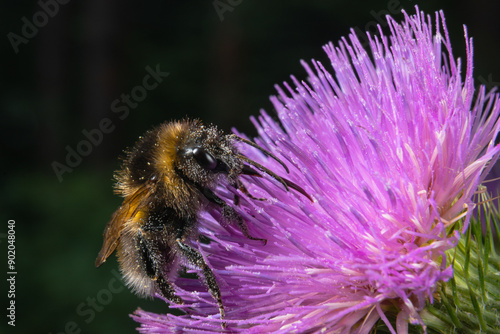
x: 470, y: 301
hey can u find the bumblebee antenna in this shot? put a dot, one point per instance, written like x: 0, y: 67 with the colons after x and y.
x: 286, y: 183
x: 264, y: 169
x: 266, y: 152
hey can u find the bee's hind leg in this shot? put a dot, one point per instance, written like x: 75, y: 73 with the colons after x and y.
x: 195, y: 258
x: 153, y: 259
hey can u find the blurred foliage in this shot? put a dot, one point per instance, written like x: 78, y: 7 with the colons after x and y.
x: 65, y: 79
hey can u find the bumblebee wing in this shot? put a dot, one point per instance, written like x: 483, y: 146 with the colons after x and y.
x: 112, y: 232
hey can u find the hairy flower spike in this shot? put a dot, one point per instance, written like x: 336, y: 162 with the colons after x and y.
x: 392, y: 147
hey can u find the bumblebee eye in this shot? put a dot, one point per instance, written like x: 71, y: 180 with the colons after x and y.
x: 205, y: 159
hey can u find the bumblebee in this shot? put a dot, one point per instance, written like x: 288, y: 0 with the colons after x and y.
x: 167, y: 179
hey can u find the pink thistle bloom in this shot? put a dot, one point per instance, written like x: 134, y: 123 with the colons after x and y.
x: 392, y: 149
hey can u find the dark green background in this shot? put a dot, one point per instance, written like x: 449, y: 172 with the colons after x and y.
x: 65, y: 78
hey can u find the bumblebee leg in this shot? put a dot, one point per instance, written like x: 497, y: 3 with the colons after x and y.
x: 153, y: 260
x: 195, y: 258
x: 167, y: 291
x: 244, y: 190
x: 230, y: 213
x: 236, y: 200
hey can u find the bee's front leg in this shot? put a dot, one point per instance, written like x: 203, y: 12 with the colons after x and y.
x: 229, y: 213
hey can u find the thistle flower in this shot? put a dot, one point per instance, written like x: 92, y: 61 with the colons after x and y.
x: 392, y: 149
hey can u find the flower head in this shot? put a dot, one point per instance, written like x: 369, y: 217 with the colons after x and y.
x: 391, y: 148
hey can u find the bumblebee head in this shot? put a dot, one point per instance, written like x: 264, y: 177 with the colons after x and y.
x: 205, y: 153
x: 201, y: 154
